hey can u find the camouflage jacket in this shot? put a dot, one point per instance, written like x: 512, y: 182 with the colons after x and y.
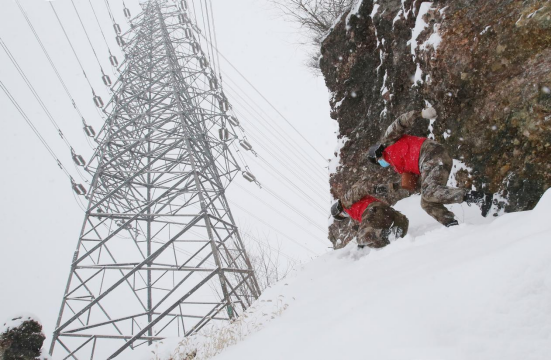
x: 388, y: 193
x: 400, y: 127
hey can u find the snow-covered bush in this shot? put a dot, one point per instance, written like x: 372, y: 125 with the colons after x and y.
x: 21, y: 338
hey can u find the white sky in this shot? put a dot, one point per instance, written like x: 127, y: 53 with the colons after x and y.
x: 39, y: 216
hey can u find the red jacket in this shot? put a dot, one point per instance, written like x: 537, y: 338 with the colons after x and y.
x: 403, y: 155
x: 358, y: 208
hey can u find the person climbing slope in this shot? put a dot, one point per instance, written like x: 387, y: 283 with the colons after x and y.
x: 408, y: 154
x: 378, y: 221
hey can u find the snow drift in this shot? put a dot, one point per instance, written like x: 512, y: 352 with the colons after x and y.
x: 478, y: 290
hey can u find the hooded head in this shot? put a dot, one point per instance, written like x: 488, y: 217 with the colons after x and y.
x: 375, y: 152
x: 337, y: 211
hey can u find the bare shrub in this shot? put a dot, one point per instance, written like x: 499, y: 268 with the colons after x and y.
x: 268, y: 261
x: 212, y: 340
x: 316, y: 17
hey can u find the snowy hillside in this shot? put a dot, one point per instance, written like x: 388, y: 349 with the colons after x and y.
x: 478, y: 290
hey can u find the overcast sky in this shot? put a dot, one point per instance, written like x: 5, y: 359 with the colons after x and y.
x: 39, y: 214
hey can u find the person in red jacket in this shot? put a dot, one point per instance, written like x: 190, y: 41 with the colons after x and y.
x: 378, y: 221
x: 428, y: 159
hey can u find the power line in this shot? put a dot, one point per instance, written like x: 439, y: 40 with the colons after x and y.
x: 269, y: 191
x: 194, y: 11
x: 215, y: 39
x: 42, y: 105
x: 286, y: 160
x: 297, y: 149
x: 265, y: 99
x: 281, y: 200
x: 256, y: 240
x: 210, y: 31
x: 87, y: 37
x: 297, y: 172
x: 273, y: 194
x: 86, y: 128
x: 280, y: 175
x: 72, y: 48
x: 274, y: 229
x: 205, y: 27
x: 266, y: 244
x: 109, y: 11
x: 127, y: 17
x: 297, y: 189
x: 35, y: 130
x: 308, y: 184
x: 99, y: 26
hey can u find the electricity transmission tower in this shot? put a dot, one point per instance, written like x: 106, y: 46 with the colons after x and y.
x: 159, y: 252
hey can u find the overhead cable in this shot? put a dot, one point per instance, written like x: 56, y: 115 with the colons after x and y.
x: 76, y: 157
x: 265, y: 99
x: 72, y: 47
x: 87, y: 37
x: 42, y: 140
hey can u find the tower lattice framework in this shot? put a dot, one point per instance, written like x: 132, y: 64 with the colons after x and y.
x: 159, y: 254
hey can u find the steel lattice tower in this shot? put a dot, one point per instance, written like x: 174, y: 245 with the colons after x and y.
x: 159, y: 253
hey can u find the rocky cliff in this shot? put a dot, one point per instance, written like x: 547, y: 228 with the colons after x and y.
x: 484, y: 65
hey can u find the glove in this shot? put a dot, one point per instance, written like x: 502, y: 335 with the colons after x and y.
x: 429, y: 113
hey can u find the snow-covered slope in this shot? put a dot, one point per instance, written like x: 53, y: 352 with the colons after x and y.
x: 478, y: 290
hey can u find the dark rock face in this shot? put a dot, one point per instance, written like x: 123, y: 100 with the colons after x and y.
x: 484, y: 65
x: 23, y: 342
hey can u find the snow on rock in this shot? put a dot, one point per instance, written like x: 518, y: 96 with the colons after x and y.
x: 16, y: 321
x: 431, y: 121
x: 478, y: 290
x: 397, y: 17
x: 420, y: 25
x: 381, y: 59
x: 384, y: 88
x: 339, y: 103
x: 418, y: 77
x: 456, y: 167
x: 431, y: 128
x: 535, y: 12
x: 354, y: 10
x: 374, y: 11
x: 485, y: 30
x: 434, y: 39
x: 21, y: 338
x: 406, y: 12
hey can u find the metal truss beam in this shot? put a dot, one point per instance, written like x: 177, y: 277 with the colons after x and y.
x: 159, y: 254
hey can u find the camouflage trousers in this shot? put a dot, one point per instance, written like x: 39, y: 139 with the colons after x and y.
x: 435, y: 165
x: 379, y: 221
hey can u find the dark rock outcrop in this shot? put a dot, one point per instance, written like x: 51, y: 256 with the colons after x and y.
x: 22, y: 340
x: 484, y: 65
